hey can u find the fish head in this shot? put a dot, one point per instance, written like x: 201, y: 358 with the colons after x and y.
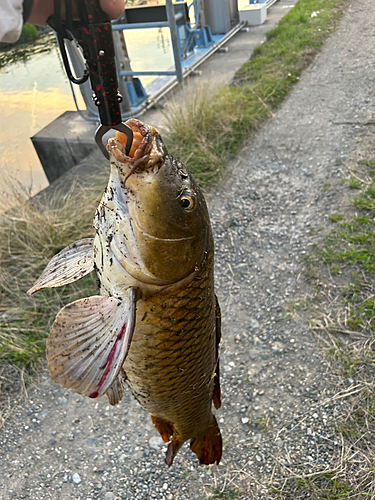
x: 167, y: 210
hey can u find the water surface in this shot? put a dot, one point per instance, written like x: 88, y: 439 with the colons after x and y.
x: 36, y: 91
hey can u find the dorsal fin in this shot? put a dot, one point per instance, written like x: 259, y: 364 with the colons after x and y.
x: 216, y: 394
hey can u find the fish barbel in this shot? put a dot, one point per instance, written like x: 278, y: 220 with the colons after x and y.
x: 156, y: 322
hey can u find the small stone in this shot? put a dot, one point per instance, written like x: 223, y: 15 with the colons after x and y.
x: 155, y: 442
x: 165, y: 486
x: 277, y: 346
x: 109, y: 495
x: 75, y: 478
x: 254, y: 324
x: 244, y: 420
x: 62, y: 400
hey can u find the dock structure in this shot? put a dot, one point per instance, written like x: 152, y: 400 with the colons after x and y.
x: 197, y: 31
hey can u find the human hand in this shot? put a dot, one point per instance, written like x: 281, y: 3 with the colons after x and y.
x: 42, y: 9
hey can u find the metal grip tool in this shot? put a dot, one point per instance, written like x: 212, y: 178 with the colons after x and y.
x: 93, y: 32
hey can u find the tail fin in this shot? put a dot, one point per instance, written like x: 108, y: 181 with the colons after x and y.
x: 208, y: 447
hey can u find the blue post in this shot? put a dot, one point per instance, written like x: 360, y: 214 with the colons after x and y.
x: 174, y: 37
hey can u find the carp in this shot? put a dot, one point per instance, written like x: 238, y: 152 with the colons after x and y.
x: 156, y: 322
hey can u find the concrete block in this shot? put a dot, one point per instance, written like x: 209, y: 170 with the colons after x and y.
x: 254, y: 14
x: 63, y: 143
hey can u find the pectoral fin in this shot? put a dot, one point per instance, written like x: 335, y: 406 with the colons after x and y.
x: 71, y: 264
x: 89, y: 341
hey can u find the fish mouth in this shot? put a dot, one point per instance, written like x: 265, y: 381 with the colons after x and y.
x: 145, y: 151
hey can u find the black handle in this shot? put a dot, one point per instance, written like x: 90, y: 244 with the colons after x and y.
x: 98, y: 50
x: 94, y: 34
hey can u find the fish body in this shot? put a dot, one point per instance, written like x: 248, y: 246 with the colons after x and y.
x: 156, y: 322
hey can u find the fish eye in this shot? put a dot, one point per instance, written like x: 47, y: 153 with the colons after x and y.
x: 187, y: 201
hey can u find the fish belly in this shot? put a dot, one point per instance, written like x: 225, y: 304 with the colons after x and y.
x: 171, y: 362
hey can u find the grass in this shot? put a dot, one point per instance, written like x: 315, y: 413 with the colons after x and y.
x: 31, y: 235
x: 224, y: 494
x: 321, y: 486
x: 352, y: 241
x: 222, y: 119
x: 347, y: 329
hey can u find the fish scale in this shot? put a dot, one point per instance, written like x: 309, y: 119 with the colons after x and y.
x: 181, y: 358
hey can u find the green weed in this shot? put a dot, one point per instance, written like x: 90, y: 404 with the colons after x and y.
x: 354, y: 183
x: 208, y: 128
x: 323, y: 487
x: 349, y: 325
x: 335, y: 217
x: 225, y: 494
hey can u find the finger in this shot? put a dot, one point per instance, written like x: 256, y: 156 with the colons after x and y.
x: 113, y: 8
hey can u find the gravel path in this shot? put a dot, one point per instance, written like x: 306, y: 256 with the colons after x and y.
x: 278, y: 390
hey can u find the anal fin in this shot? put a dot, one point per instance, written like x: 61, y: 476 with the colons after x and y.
x: 208, y: 447
x: 166, y: 431
x: 164, y: 428
x: 172, y: 450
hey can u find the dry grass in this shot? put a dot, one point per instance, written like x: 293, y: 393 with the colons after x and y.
x: 205, y: 128
x: 33, y: 231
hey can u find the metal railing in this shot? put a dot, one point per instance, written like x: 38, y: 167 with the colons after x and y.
x: 171, y: 23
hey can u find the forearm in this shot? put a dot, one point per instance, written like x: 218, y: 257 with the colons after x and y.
x: 42, y: 9
x: 10, y: 20
x: 13, y: 13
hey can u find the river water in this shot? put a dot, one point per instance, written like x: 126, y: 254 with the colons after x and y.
x: 36, y: 91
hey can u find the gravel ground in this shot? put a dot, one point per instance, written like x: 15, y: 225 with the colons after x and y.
x: 280, y: 396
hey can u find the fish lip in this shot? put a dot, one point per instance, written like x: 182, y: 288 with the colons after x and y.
x: 118, y: 150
